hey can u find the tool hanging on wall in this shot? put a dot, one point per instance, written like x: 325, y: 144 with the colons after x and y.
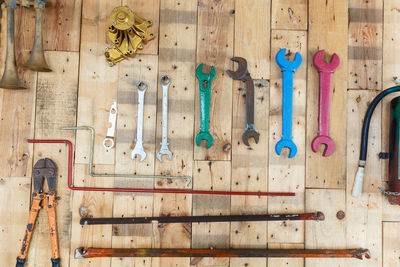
x: 243, y: 75
x: 393, y: 193
x: 359, y: 179
x: 325, y: 78
x: 37, y: 61
x: 288, y: 68
x: 128, y: 32
x: 10, y: 79
x: 43, y: 168
x: 315, y: 216
x: 138, y: 190
x: 80, y: 253
x: 205, y: 80
x: 108, y: 142
x: 141, y: 88
x: 165, y: 81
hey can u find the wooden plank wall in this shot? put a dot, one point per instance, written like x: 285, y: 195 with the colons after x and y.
x: 82, y: 87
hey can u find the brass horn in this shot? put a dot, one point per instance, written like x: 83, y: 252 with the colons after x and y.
x: 37, y: 61
x: 10, y: 78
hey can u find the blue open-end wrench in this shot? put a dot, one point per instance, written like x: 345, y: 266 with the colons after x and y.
x: 288, y: 68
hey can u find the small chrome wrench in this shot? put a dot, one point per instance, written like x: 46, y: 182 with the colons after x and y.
x: 288, y: 68
x: 138, y: 150
x: 108, y: 142
x: 165, y: 81
x: 325, y: 76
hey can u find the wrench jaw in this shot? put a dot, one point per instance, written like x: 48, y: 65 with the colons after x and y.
x: 204, y: 136
x: 241, y: 71
x: 286, y: 65
x: 288, y: 144
x: 164, y: 151
x: 322, y: 66
x: 248, y: 134
x: 141, y: 153
x: 325, y: 140
x: 209, y: 77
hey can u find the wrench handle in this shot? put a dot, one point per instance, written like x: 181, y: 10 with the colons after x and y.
x: 287, y: 104
x: 139, y: 130
x: 164, y: 122
x: 248, y: 81
x: 204, y: 107
x: 325, y: 79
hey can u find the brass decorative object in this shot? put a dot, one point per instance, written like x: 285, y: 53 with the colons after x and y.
x: 128, y: 32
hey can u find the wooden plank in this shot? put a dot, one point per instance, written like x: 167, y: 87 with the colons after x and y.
x: 286, y: 174
x: 364, y: 223
x: 97, y: 204
x: 328, y: 21
x: 211, y: 175
x: 391, y: 42
x: 289, y: 15
x: 252, y: 40
x: 391, y: 63
x: 391, y: 252
x: 62, y: 25
x: 330, y: 233
x: 215, y: 34
x: 177, y: 55
x: 14, y: 196
x: 365, y: 44
x: 17, y: 105
x: 125, y: 204
x: 147, y: 10
x: 56, y: 102
x: 98, y: 82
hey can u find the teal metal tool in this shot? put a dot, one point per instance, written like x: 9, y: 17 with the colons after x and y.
x: 205, y: 80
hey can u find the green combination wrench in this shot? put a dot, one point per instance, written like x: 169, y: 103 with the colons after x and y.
x: 205, y: 80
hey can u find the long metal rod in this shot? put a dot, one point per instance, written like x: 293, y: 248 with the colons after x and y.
x: 233, y: 253
x: 91, y: 173
x: 316, y: 216
x: 143, y: 190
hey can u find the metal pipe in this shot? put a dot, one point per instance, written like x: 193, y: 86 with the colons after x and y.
x: 316, y: 216
x: 233, y: 253
x: 142, y: 190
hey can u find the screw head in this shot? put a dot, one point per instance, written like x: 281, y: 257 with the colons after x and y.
x: 340, y: 215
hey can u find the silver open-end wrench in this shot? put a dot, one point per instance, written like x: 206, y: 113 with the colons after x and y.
x: 165, y: 81
x: 139, y: 150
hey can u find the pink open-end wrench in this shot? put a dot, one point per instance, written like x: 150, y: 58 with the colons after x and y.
x: 325, y: 77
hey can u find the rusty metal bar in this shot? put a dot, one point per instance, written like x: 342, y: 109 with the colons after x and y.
x: 316, y: 216
x: 80, y: 253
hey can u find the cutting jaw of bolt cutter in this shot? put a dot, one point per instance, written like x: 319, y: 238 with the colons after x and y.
x: 205, y: 80
x: 44, y: 168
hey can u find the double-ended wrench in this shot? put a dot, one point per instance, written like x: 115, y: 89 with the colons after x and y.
x: 243, y: 74
x: 288, y: 68
x: 325, y: 78
x: 165, y: 81
x: 139, y: 150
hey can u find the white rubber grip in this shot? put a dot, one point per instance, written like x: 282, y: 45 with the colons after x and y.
x: 358, y: 182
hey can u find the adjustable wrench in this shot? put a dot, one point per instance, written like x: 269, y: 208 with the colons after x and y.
x: 205, y: 80
x: 138, y: 150
x: 108, y: 142
x: 325, y: 76
x: 288, y: 68
x: 165, y: 81
x: 243, y: 74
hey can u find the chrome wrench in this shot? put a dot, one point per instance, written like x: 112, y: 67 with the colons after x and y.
x: 108, y: 142
x: 165, y: 81
x: 139, y: 150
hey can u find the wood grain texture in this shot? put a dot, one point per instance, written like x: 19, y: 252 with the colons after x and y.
x: 215, y: 34
x: 289, y: 14
x: 365, y: 44
x: 391, y: 252
x: 327, y: 22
